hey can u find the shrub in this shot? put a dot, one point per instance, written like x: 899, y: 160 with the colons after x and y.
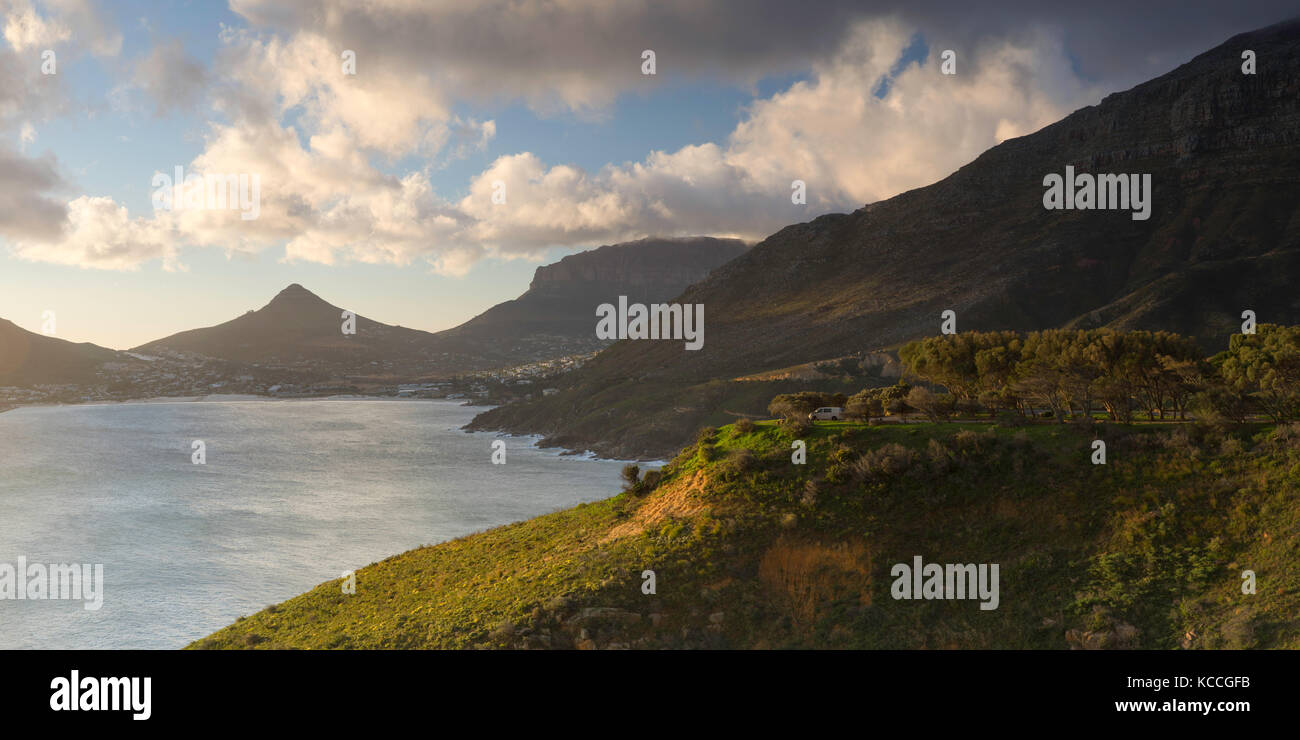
x: 631, y: 475
x: 1287, y: 436
x: 740, y: 461
x: 796, y: 426
x: 744, y: 425
x: 651, y: 480
x: 886, y: 461
x: 811, y: 489
x: 866, y: 404
x: 941, y: 458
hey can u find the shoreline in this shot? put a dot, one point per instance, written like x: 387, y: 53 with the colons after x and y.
x: 535, y: 439
x: 221, y: 398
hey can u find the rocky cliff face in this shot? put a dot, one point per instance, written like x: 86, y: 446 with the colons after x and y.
x: 557, y: 315
x: 662, y: 266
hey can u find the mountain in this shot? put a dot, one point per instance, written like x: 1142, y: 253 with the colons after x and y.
x: 28, y: 359
x: 298, y: 329
x: 1222, y: 149
x: 554, y: 318
x: 750, y: 551
x: 557, y: 315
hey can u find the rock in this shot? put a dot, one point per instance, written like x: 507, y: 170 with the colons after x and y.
x: 1121, y: 636
x: 717, y: 617
x: 621, y: 616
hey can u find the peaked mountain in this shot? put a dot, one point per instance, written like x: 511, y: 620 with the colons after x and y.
x: 28, y: 359
x: 1222, y: 149
x: 300, y: 329
x: 557, y: 315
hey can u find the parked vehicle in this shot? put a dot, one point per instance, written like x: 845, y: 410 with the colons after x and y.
x: 832, y: 413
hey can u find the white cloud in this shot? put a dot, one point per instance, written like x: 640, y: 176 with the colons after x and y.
x: 317, y: 137
x: 100, y: 234
x: 75, y: 23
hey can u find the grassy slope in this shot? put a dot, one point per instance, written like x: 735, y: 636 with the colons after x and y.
x: 748, y: 553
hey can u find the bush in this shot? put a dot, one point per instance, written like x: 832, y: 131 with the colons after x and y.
x: 935, y: 406
x: 631, y: 476
x: 744, y: 425
x: 796, y: 426
x: 941, y: 458
x: 865, y: 405
x: 651, y: 480
x: 1287, y: 436
x: 884, y: 462
x: 739, y: 462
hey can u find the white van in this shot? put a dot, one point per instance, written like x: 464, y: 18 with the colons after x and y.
x: 833, y: 413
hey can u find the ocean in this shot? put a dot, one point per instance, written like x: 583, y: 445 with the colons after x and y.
x: 292, y: 493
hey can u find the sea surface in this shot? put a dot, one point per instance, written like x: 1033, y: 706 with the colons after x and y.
x: 293, y: 493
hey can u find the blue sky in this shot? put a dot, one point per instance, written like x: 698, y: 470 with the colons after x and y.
x: 376, y: 187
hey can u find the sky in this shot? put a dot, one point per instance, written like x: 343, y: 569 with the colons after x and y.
x: 416, y: 160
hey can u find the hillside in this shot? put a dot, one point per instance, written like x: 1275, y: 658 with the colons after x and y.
x: 1222, y: 149
x: 27, y: 358
x: 557, y: 314
x: 298, y: 329
x: 752, y: 551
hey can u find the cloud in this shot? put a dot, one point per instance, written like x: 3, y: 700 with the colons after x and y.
x: 172, y: 78
x: 75, y: 24
x: 100, y: 234
x: 326, y: 144
x: 848, y: 146
x: 27, y: 208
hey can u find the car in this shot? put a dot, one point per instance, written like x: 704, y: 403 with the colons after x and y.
x: 833, y: 413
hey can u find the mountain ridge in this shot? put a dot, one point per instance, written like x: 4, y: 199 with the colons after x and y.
x: 1222, y: 149
x: 27, y: 358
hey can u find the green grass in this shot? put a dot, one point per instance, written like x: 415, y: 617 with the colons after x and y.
x: 750, y: 550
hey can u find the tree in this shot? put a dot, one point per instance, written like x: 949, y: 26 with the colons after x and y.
x: 788, y: 405
x: 1265, y: 365
x: 935, y: 406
